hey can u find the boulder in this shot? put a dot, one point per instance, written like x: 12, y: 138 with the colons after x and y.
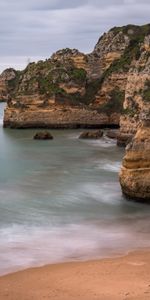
x: 43, y: 135
x: 124, y: 139
x: 91, y: 134
x: 112, y: 134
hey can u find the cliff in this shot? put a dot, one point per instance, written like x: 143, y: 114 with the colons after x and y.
x: 72, y: 89
x: 5, y: 77
x: 135, y: 171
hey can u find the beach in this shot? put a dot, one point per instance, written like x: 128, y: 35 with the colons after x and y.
x: 122, y: 278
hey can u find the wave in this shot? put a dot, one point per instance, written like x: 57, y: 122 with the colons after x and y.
x: 22, y: 246
x: 103, y: 193
x: 2, y: 107
x: 110, y: 166
x: 103, y: 142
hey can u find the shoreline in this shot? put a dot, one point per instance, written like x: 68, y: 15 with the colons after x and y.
x: 124, y: 277
x: 59, y: 126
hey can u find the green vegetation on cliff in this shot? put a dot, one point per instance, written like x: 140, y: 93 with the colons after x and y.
x: 136, y: 35
x: 133, y: 31
x: 13, y: 83
x: 78, y: 75
x: 72, y: 78
x: 115, y: 102
x: 146, y: 91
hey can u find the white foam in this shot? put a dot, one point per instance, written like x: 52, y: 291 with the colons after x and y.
x: 103, y: 142
x: 27, y: 246
x: 107, y: 193
x: 110, y: 166
x: 1, y: 119
x: 2, y: 107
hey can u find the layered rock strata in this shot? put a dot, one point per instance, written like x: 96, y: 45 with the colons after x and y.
x: 58, y: 118
x: 72, y: 89
x: 137, y: 93
x: 5, y: 77
x: 135, y: 171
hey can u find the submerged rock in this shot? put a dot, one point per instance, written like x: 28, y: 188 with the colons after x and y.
x: 43, y: 135
x: 91, y: 134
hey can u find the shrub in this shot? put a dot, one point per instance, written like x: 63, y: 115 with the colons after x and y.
x: 115, y: 104
x: 129, y: 111
x: 78, y: 75
x: 146, y: 91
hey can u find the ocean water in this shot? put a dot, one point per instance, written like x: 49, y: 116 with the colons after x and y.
x: 61, y: 201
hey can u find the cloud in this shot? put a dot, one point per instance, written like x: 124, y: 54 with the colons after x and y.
x: 37, y: 28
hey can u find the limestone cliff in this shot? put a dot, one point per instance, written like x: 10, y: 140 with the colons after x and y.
x: 135, y: 171
x: 72, y: 89
x: 5, y: 77
x: 137, y: 92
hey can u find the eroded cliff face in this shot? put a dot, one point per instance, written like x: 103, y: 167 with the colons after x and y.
x: 72, y: 89
x: 5, y: 77
x: 137, y: 91
x: 135, y: 171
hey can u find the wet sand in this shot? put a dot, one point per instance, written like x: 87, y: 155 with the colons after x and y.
x: 122, y: 278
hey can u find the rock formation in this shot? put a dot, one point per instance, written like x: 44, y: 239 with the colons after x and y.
x: 7, y: 76
x: 72, y: 89
x: 91, y: 134
x: 137, y: 93
x: 135, y: 171
x: 43, y: 135
x: 112, y: 134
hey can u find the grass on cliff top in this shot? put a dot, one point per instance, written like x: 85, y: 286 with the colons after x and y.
x: 133, y: 31
x: 124, y: 62
x: 136, y: 35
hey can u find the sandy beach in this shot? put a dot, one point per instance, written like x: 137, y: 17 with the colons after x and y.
x: 122, y: 278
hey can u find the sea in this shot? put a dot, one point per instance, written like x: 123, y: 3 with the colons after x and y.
x: 61, y: 201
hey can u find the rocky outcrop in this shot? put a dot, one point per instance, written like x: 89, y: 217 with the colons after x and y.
x: 91, y: 135
x: 137, y: 92
x: 57, y: 117
x: 72, y: 89
x: 135, y: 171
x: 43, y: 135
x: 112, y: 134
x: 7, y: 76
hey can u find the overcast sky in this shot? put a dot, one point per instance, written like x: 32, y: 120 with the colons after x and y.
x: 34, y: 29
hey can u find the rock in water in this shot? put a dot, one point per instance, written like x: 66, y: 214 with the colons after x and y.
x: 112, y: 134
x: 91, y: 134
x: 123, y: 139
x: 135, y: 171
x: 43, y: 135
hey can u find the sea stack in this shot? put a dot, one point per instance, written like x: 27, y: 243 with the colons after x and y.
x: 135, y: 171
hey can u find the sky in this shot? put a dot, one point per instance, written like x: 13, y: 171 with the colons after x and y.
x: 34, y: 29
